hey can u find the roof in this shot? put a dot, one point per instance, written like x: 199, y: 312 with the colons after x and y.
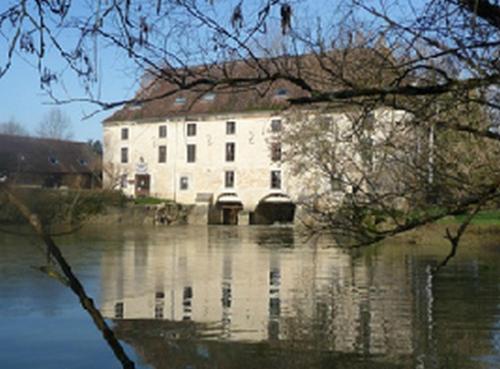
x: 335, y: 70
x: 41, y: 155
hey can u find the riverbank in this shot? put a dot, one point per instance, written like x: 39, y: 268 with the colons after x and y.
x: 136, y: 214
x: 486, y: 217
x: 484, y: 235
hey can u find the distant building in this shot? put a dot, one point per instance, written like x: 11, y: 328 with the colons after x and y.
x: 41, y: 162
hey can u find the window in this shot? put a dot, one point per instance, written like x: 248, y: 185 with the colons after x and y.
x: 191, y: 129
x: 162, y: 131
x: 119, y: 308
x: 135, y: 106
x: 124, y: 133
x: 336, y: 184
x: 230, y: 128
x: 281, y: 92
x: 83, y: 162
x: 230, y: 149
x: 162, y: 154
x: 276, y: 151
x: 325, y: 123
x: 191, y: 153
x: 123, y: 181
x: 275, y: 179
x: 180, y: 100
x: 184, y: 183
x: 276, y: 125
x: 209, y: 96
x: 124, y: 155
x: 159, y: 310
x: 53, y: 160
x: 229, y: 179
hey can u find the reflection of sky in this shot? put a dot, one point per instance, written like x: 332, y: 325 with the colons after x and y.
x: 42, y: 324
x: 493, y: 361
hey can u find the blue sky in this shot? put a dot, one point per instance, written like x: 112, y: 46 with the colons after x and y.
x: 22, y: 99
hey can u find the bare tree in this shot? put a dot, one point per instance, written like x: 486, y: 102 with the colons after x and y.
x: 437, y: 61
x: 430, y: 59
x: 13, y: 127
x: 55, y: 124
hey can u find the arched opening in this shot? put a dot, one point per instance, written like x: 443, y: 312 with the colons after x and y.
x: 274, y: 208
x: 227, y: 208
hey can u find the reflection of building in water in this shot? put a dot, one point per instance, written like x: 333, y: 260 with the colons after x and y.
x: 245, y: 288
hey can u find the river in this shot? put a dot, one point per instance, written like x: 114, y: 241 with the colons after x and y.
x: 251, y: 297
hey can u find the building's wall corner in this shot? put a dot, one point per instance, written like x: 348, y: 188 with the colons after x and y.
x: 244, y: 218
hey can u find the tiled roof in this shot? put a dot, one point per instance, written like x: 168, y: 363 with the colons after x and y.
x: 365, y: 67
x: 40, y: 155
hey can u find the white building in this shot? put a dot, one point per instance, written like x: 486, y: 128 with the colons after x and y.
x: 212, y: 149
x: 223, y: 158
x: 218, y: 150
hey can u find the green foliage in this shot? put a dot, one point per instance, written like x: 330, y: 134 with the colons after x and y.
x: 488, y: 217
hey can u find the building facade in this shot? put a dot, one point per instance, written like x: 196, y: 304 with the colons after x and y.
x: 217, y: 149
x: 225, y: 164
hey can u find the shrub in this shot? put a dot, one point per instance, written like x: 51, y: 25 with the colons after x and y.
x: 60, y: 206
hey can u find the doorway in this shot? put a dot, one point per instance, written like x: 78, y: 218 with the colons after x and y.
x: 142, y: 184
x: 230, y: 215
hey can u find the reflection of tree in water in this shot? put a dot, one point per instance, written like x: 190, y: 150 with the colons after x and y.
x: 361, y: 306
x: 465, y: 311
x: 177, y: 345
x: 280, y: 237
x: 263, y: 236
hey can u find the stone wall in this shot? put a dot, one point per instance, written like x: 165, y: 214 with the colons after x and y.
x: 162, y: 214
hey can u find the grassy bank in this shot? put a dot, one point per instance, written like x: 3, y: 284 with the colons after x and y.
x: 486, y: 217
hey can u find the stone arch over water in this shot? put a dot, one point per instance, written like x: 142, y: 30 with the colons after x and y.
x: 274, y: 208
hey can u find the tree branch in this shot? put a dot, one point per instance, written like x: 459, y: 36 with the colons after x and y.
x: 73, y: 282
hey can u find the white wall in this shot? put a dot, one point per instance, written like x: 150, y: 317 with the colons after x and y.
x: 252, y: 165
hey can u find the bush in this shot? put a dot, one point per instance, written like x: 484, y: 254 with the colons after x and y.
x: 150, y: 201
x: 60, y: 206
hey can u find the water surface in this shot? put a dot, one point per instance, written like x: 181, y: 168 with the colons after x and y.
x: 251, y: 297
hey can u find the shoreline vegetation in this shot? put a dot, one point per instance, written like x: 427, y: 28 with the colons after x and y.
x: 67, y: 209
x: 77, y: 207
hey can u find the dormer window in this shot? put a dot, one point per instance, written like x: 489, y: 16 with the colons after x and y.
x: 180, y: 100
x: 209, y: 96
x: 135, y: 106
x: 281, y: 92
x: 53, y: 160
x: 83, y: 162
